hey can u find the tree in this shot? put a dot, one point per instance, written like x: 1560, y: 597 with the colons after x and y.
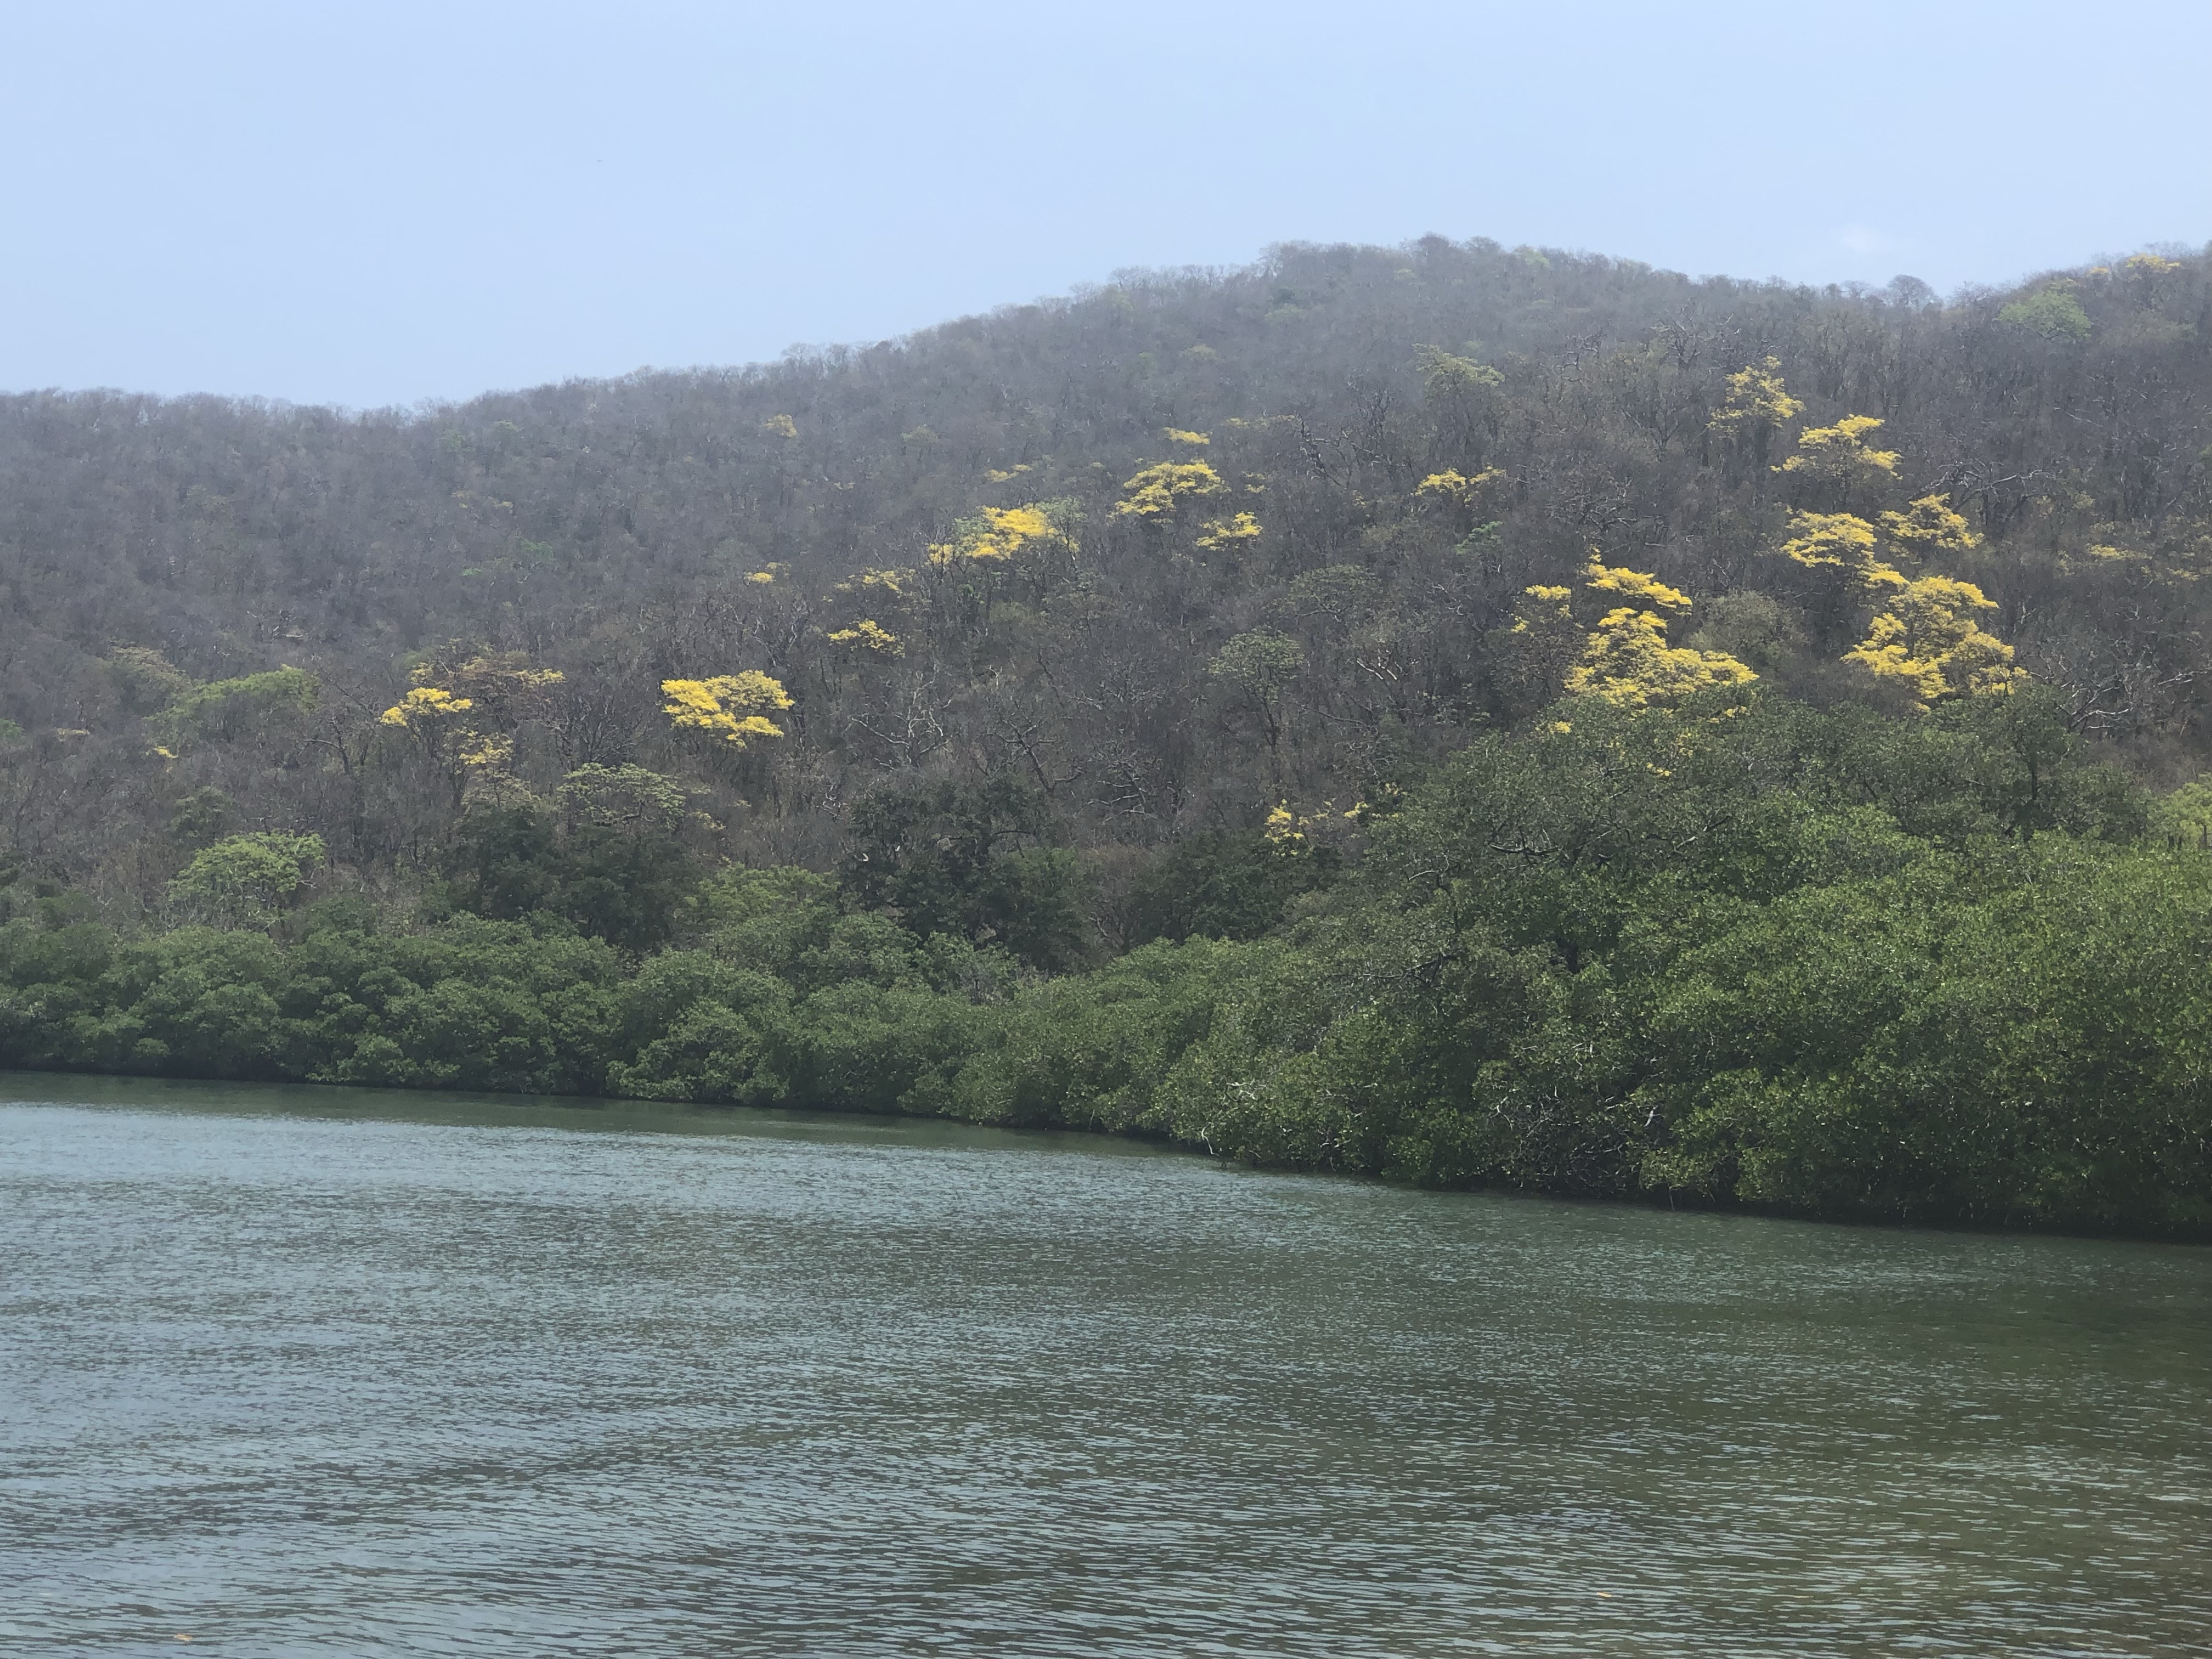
x: 971, y: 861
x: 242, y: 881
x: 1155, y: 494
x: 2049, y: 313
x: 728, y: 706
x: 145, y: 679
x: 997, y: 534
x: 1262, y: 664
x: 1837, y: 461
x: 1625, y: 660
x: 1221, y: 884
x: 228, y: 710
x: 1927, y: 642
x: 1758, y: 405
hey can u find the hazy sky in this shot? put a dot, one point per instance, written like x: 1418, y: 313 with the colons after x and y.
x: 380, y: 202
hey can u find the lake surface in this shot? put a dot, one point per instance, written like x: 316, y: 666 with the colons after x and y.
x: 304, y: 1372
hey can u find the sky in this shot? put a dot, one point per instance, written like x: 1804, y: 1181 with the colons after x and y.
x: 384, y: 204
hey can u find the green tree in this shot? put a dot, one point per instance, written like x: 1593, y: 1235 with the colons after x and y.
x: 244, y: 880
x: 973, y: 860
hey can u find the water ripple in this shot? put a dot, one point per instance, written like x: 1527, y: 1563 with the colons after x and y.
x: 294, y: 1372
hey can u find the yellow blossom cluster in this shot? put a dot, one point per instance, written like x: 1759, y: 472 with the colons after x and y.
x: 892, y: 582
x: 998, y: 532
x: 425, y: 703
x: 1923, y: 637
x: 1927, y: 641
x: 488, y: 751
x: 1756, y: 398
x: 1928, y: 526
x: 1627, y: 659
x: 1839, y: 454
x: 1155, y: 493
x: 873, y: 636
x: 1451, y: 485
x: 1291, y: 834
x: 1634, y: 585
x: 1837, y: 541
x: 1222, y: 535
x: 726, y: 706
x: 507, y: 674
x: 465, y: 716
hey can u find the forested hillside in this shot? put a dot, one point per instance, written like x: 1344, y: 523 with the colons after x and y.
x: 1472, y: 652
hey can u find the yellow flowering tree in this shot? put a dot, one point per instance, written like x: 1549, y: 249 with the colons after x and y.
x: 1291, y: 834
x: 1452, y: 485
x: 1926, y: 641
x: 997, y: 534
x: 1544, y: 641
x: 895, y: 584
x: 465, y: 714
x: 1928, y: 526
x: 1834, y: 542
x: 1229, y: 535
x: 426, y: 707
x: 1838, y: 460
x: 1923, y: 637
x: 1757, y: 404
x: 440, y: 724
x: 869, y: 635
x: 493, y: 689
x: 729, y: 706
x: 1626, y: 659
x: 1157, y: 493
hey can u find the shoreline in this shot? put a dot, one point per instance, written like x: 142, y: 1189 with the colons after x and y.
x: 686, y: 1117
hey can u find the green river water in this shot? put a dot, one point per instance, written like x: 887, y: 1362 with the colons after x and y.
x: 300, y: 1372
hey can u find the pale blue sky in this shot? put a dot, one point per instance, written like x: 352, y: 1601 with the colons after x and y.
x: 372, y: 203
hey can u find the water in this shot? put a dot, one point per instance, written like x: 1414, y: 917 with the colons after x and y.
x: 307, y: 1372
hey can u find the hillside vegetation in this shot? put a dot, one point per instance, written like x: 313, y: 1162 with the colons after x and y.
x: 1464, y: 713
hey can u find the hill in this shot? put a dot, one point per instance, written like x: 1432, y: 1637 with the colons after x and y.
x: 1465, y: 649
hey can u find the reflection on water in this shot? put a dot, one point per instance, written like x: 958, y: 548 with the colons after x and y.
x: 303, y: 1372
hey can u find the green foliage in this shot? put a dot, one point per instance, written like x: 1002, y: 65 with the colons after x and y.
x: 970, y: 861
x: 1261, y: 664
x: 617, y: 870
x: 204, y: 816
x: 1222, y: 884
x: 2053, y: 312
x: 243, y: 880
x: 145, y: 680
x: 229, y: 709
